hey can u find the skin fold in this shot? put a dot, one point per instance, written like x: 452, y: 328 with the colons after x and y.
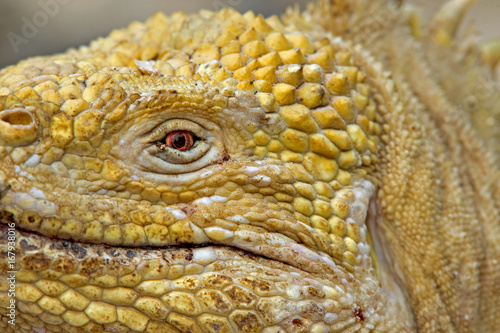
x: 331, y: 170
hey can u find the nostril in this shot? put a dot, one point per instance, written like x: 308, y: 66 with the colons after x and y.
x: 18, y: 127
x: 16, y: 117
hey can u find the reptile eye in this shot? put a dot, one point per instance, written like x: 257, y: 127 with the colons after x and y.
x: 180, y: 140
x: 179, y: 146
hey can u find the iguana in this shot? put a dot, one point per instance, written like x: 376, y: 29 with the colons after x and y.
x: 332, y: 170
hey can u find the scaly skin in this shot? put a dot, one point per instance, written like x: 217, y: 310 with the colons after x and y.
x: 329, y: 187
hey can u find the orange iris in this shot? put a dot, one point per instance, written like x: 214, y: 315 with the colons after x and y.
x: 180, y: 140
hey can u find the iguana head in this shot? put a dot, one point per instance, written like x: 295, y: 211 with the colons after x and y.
x: 213, y: 170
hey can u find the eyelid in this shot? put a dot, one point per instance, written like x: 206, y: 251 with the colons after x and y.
x: 168, y: 160
x: 160, y: 132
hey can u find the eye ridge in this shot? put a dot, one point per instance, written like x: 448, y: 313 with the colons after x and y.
x: 178, y: 140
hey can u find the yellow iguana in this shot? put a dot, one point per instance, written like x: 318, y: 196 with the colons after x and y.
x: 333, y: 170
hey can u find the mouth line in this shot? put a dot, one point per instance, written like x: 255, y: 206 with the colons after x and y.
x: 275, y: 249
x: 271, y: 245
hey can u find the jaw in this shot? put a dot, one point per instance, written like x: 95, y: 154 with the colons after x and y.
x: 272, y: 277
x: 98, y: 285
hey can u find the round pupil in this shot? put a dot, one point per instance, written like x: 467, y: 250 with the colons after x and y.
x: 179, y: 141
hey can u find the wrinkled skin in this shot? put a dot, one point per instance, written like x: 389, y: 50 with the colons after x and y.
x: 223, y: 172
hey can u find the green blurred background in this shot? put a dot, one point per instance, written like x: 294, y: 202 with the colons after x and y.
x: 59, y: 24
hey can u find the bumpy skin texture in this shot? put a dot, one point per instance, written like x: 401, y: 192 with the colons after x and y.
x: 330, y: 187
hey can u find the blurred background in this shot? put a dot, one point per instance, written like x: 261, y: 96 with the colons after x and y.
x: 40, y: 27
